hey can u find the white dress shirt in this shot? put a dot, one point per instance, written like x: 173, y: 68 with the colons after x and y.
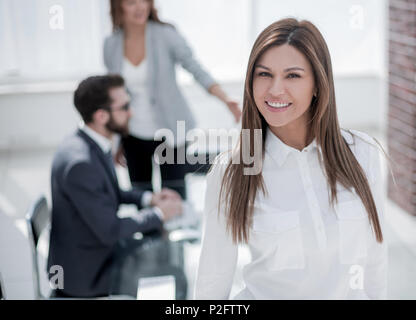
x: 103, y: 142
x: 301, y: 247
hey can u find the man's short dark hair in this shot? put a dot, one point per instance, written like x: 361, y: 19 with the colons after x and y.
x: 92, y: 94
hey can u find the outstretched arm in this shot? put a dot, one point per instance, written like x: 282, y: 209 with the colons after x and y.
x: 232, y: 105
x: 183, y: 54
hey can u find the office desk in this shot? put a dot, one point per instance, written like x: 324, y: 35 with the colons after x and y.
x: 153, y: 255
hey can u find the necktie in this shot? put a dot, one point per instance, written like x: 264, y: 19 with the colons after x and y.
x: 109, y: 158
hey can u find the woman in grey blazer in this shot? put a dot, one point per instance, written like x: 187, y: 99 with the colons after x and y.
x: 144, y: 51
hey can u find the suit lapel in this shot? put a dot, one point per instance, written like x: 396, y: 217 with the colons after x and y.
x: 104, y: 162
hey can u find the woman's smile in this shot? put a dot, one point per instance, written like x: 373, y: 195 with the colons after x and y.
x: 277, y: 106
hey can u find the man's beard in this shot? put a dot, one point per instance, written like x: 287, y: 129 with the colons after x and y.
x: 112, y: 126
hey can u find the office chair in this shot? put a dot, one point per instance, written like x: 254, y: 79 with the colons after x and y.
x: 2, y: 293
x: 37, y: 219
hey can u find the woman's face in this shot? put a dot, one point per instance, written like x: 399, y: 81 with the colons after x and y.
x: 135, y: 12
x: 283, y: 86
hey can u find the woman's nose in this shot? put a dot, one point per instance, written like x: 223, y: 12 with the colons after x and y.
x: 142, y: 3
x: 277, y: 87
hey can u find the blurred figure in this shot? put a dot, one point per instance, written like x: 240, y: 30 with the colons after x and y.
x: 145, y: 51
x: 86, y: 195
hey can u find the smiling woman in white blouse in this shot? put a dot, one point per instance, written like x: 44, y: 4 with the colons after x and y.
x: 313, y: 218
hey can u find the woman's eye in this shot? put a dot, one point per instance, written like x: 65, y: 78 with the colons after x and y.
x: 293, y: 75
x: 264, y: 74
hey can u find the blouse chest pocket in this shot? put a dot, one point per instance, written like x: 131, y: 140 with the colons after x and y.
x: 353, y: 228
x: 276, y: 241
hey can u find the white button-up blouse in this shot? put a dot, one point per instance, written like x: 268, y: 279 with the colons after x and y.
x: 301, y: 247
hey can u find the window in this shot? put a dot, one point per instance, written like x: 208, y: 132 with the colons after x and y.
x: 220, y: 33
x: 34, y: 47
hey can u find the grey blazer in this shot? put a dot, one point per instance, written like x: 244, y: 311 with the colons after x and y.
x: 165, y: 47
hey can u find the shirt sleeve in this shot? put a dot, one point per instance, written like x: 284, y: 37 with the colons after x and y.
x: 158, y: 212
x: 147, y: 199
x: 375, y: 276
x: 183, y: 54
x: 219, y: 254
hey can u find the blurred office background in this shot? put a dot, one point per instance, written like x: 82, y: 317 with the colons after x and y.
x: 48, y: 46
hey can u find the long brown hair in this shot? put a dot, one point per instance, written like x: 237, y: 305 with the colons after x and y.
x: 117, y: 13
x: 238, y: 191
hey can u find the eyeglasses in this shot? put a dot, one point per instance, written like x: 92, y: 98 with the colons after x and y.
x: 124, y: 107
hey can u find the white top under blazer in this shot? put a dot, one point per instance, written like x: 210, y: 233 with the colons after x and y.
x: 142, y: 124
x: 300, y: 247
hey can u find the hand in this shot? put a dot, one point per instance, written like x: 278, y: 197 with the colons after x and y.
x: 169, y: 193
x: 170, y: 208
x: 166, y: 193
x: 234, y: 108
x: 119, y: 157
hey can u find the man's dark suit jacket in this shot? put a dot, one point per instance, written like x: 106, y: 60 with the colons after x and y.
x: 85, y: 227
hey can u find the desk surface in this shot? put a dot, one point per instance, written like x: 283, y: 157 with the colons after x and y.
x: 153, y: 255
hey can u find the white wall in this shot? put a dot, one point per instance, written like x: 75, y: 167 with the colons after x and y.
x: 222, y: 32
x: 33, y: 120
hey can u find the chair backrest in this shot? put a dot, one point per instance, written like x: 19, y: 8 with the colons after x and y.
x: 2, y: 293
x: 37, y: 219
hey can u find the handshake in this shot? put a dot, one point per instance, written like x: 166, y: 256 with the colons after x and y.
x: 169, y: 202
